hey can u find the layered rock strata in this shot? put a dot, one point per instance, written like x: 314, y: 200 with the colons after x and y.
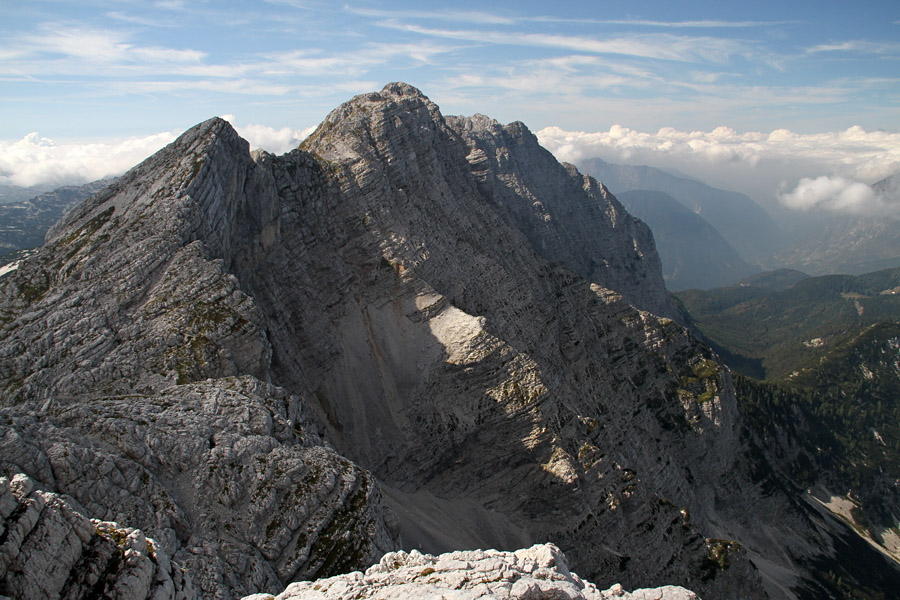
x: 222, y: 474
x: 249, y: 357
x: 49, y: 549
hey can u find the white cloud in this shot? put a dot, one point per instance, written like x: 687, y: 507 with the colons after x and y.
x: 478, y: 17
x: 687, y: 24
x: 34, y: 160
x: 101, y: 46
x: 762, y: 165
x: 656, y: 46
x: 837, y: 194
x: 863, y: 46
x: 270, y: 139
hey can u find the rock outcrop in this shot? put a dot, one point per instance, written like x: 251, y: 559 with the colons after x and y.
x: 536, y: 573
x: 282, y: 367
x: 49, y: 549
x: 222, y: 474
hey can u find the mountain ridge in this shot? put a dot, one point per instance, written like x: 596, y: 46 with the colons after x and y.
x: 383, y: 293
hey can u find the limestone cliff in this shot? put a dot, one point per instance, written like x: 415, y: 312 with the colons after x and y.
x: 248, y: 357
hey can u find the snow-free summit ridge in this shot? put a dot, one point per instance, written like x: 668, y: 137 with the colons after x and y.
x: 411, y: 331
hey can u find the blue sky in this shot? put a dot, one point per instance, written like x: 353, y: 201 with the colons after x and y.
x: 99, y: 70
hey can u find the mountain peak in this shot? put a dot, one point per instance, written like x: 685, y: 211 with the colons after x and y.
x: 448, y: 307
x: 402, y: 89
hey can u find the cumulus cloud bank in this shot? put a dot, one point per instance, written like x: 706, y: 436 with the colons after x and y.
x: 832, y: 193
x: 39, y: 161
x: 35, y: 160
x: 277, y: 141
x: 762, y: 165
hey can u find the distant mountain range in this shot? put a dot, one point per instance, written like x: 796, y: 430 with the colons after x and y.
x: 693, y: 253
x: 848, y: 243
x: 729, y: 234
x: 24, y: 224
x: 778, y: 323
x: 742, y: 222
x: 17, y: 193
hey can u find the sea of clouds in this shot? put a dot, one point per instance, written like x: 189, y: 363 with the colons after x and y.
x: 39, y: 161
x: 830, y: 171
x: 820, y: 171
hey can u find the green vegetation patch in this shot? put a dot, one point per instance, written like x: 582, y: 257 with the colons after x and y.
x: 843, y: 415
x: 770, y: 332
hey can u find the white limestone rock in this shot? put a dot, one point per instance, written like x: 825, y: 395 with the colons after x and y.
x: 536, y: 573
x: 51, y: 550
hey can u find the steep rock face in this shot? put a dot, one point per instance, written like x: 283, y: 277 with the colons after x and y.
x: 464, y: 370
x: 166, y: 344
x: 123, y: 340
x: 533, y: 573
x: 49, y: 549
x: 568, y: 218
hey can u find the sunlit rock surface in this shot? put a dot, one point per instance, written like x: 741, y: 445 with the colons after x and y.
x: 396, y: 336
x: 536, y: 573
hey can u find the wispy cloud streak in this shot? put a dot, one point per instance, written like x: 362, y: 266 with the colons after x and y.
x: 660, y: 47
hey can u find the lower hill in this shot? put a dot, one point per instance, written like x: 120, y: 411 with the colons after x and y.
x: 771, y: 326
x: 830, y: 350
x: 835, y: 426
x: 693, y: 253
x: 24, y: 223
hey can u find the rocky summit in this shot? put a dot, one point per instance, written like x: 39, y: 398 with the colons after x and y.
x: 414, y: 332
x: 536, y: 573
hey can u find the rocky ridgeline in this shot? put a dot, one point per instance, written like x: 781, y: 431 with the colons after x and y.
x: 413, y: 331
x: 49, y: 549
x: 561, y: 211
x: 536, y: 573
x: 221, y: 474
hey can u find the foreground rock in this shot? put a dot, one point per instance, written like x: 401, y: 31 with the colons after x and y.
x: 49, y: 549
x: 223, y: 474
x: 254, y: 358
x: 537, y: 573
